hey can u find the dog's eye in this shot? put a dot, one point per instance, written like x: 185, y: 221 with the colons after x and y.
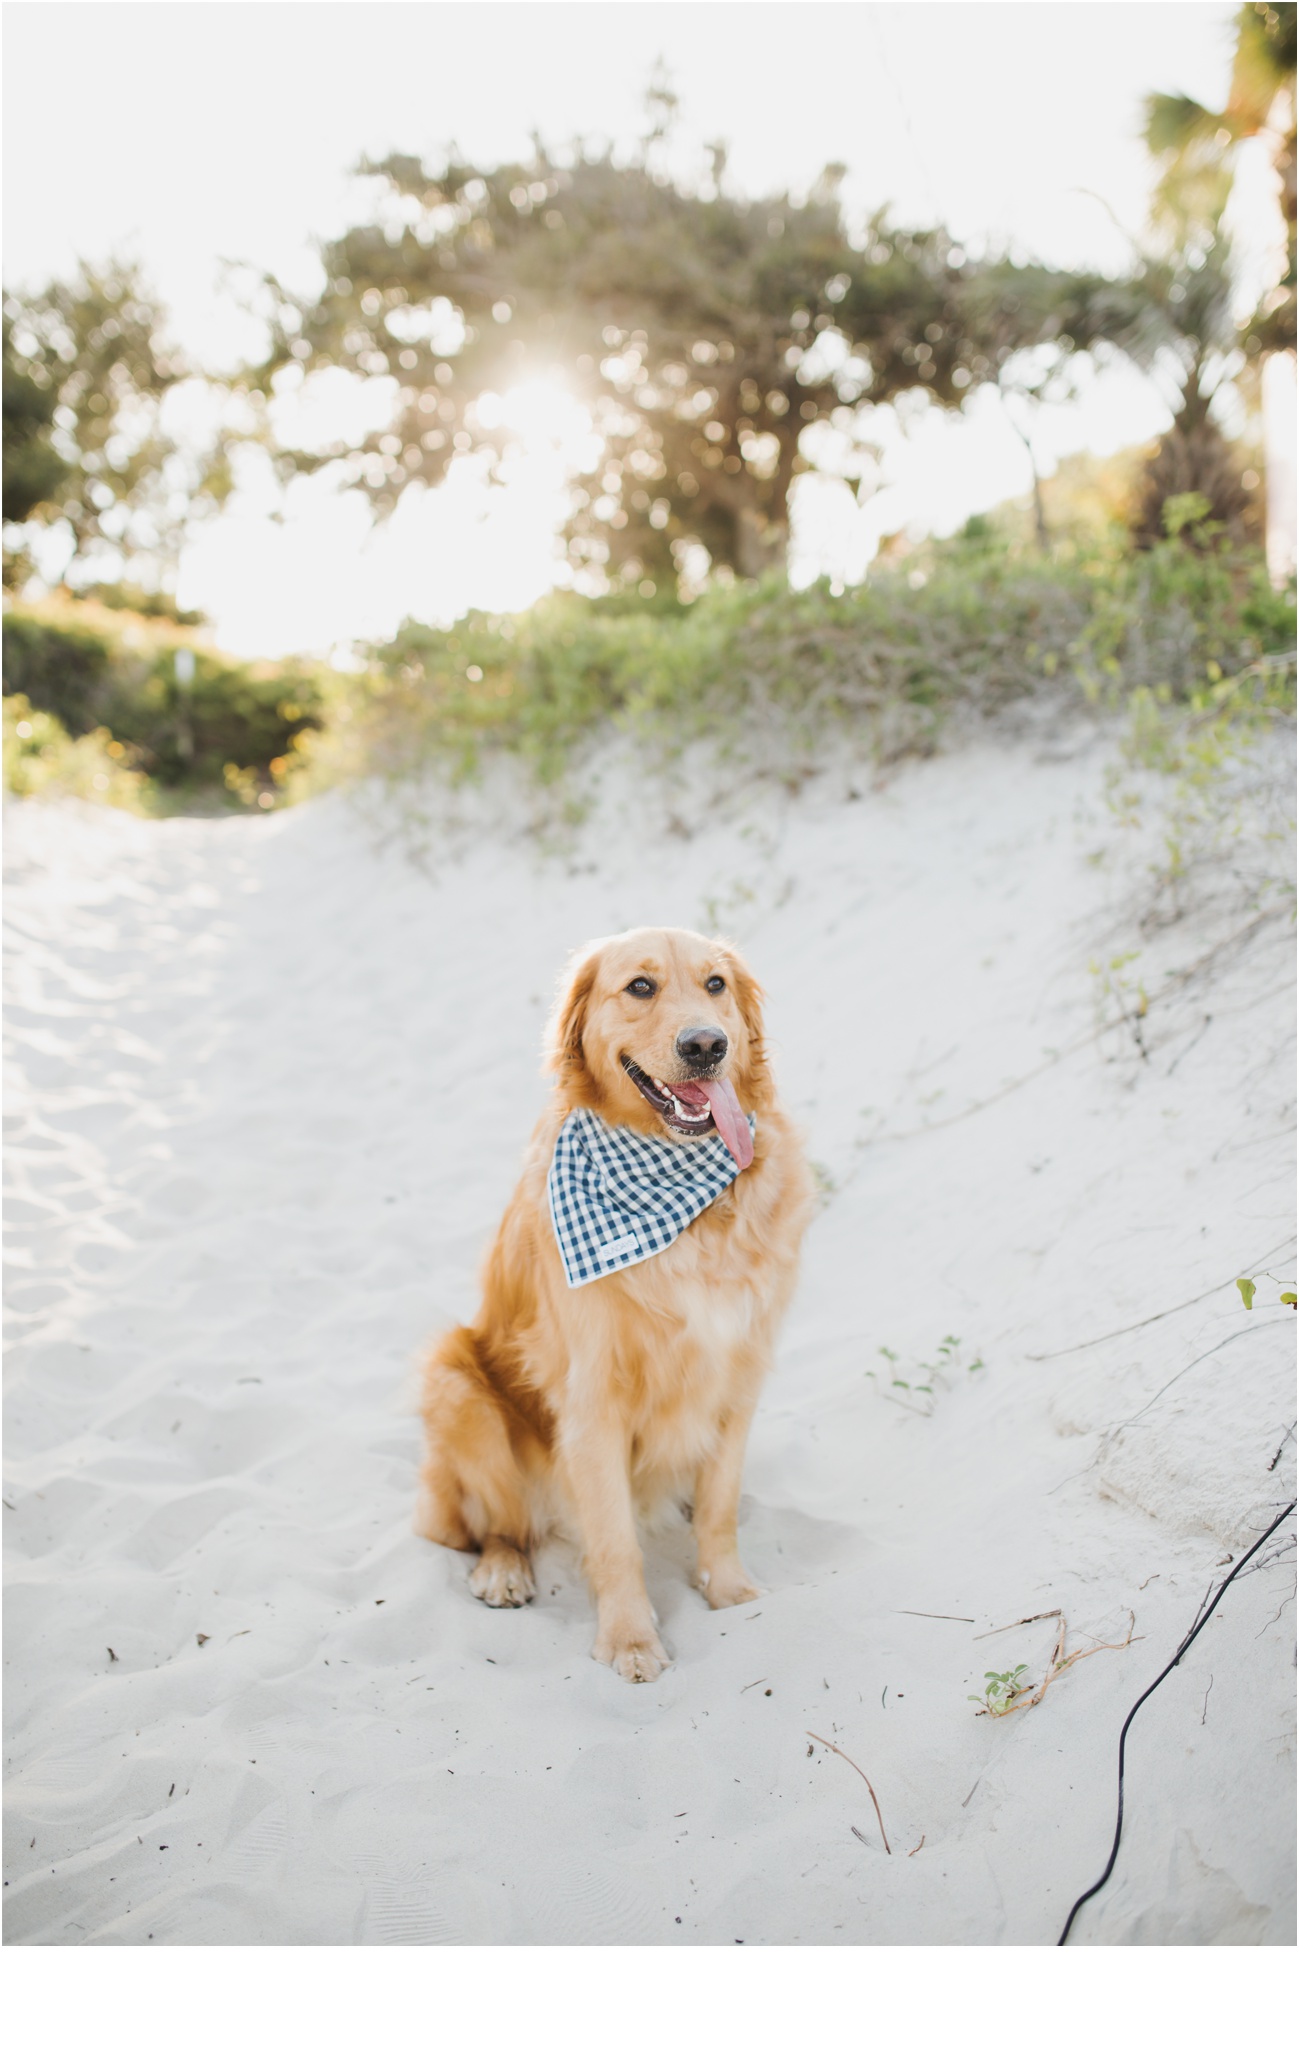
x: 642, y: 986
x: 714, y: 984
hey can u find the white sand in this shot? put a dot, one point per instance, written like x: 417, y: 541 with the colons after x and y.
x: 271, y: 1086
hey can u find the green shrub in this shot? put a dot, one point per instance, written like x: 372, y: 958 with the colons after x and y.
x: 766, y: 675
x: 92, y: 667
x: 42, y: 759
x: 771, y: 674
x: 148, y: 604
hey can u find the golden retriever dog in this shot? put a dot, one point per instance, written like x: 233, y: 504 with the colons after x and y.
x: 588, y: 1402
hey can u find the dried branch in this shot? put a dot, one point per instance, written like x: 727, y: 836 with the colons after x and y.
x: 861, y: 1774
x: 1076, y: 1045
x: 1052, y: 1614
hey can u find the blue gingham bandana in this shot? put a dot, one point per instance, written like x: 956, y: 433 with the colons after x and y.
x: 617, y: 1198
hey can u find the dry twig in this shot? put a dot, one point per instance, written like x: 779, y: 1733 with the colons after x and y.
x: 920, y: 1613
x: 1052, y: 1614
x: 1076, y: 1045
x: 861, y: 1774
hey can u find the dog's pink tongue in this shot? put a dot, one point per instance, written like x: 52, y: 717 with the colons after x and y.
x: 731, y: 1122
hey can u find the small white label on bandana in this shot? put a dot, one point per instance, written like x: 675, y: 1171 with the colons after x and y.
x: 618, y: 1247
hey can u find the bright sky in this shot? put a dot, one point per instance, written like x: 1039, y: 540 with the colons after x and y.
x: 200, y: 130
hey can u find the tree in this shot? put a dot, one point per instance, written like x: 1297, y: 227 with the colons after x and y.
x: 1191, y: 283
x: 86, y: 372
x: 1191, y: 343
x: 704, y: 333
x: 1193, y: 145
x: 33, y: 469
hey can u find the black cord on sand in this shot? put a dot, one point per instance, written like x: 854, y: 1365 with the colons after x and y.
x: 1183, y: 1647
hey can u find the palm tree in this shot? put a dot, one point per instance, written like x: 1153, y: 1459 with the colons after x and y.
x: 1194, y: 144
x: 1195, y: 148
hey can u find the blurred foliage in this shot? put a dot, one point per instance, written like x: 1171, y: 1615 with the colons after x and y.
x: 720, y: 344
x: 1194, y: 144
x: 149, y: 604
x: 768, y: 678
x: 95, y: 668
x: 1188, y: 277
x: 1186, y: 339
x: 86, y: 371
x: 771, y: 677
x: 33, y: 469
x: 1087, y: 502
x: 1201, y: 769
x: 703, y: 331
x: 42, y: 759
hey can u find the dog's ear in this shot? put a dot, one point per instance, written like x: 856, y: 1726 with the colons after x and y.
x: 564, y: 1056
x: 749, y: 995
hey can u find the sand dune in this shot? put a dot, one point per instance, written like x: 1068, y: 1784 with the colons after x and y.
x: 270, y: 1083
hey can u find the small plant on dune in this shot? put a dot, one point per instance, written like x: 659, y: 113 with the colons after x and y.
x: 1010, y: 1692
x: 932, y: 1374
x: 1001, y: 1690
x: 722, y: 910
x: 827, y: 1187
x: 1197, y: 763
x: 949, y: 1354
x: 1199, y: 658
x: 1114, y: 988
x: 1249, y: 1288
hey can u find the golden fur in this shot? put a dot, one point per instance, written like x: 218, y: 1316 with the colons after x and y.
x: 604, y: 1398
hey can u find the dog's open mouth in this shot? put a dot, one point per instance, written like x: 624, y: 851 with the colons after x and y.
x: 696, y: 1109
x: 686, y: 1106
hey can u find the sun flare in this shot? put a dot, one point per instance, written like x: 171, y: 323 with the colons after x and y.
x: 545, y: 415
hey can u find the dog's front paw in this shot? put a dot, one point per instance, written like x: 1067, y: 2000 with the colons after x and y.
x: 503, y: 1577
x: 726, y: 1585
x: 639, y: 1658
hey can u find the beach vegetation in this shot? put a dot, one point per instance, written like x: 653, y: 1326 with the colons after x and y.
x: 929, y: 1376
x: 824, y: 1182
x: 1188, y: 646
x: 1196, y: 649
x: 41, y: 758
x: 1000, y: 1691
x: 1249, y: 1293
x: 1197, y: 761
x: 1011, y: 1692
x: 181, y: 711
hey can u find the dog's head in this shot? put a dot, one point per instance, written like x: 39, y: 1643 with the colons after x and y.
x: 661, y: 1029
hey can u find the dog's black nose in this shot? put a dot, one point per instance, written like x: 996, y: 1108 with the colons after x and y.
x: 702, y: 1048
